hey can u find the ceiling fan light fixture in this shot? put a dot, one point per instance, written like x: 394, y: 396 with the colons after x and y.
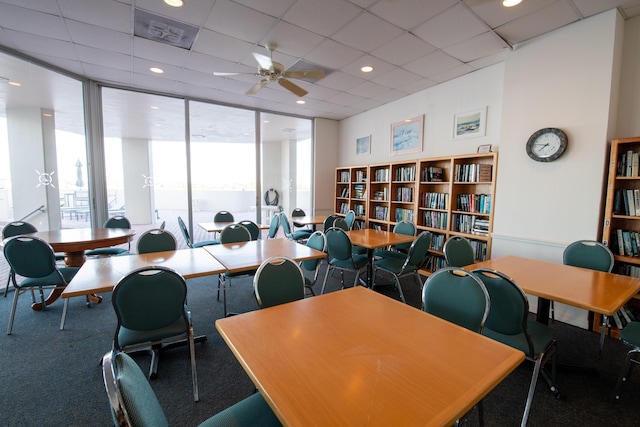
x: 174, y: 3
x: 366, y: 69
x: 301, y: 101
x: 511, y: 3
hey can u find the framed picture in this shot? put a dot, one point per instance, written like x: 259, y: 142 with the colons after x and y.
x: 471, y: 124
x: 486, y: 148
x: 363, y: 145
x: 406, y: 136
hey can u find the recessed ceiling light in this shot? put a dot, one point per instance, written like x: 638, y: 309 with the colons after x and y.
x: 153, y: 107
x: 301, y: 101
x: 174, y: 3
x: 16, y: 84
x: 156, y: 70
x: 511, y: 3
x: 366, y: 69
x: 265, y: 121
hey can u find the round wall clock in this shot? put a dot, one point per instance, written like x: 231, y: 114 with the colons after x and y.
x: 546, y: 145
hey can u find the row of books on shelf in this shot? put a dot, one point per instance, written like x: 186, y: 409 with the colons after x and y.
x: 404, y: 194
x: 471, y: 224
x: 437, y: 241
x: 473, y: 172
x: 627, y: 242
x: 345, y: 176
x: 360, y: 176
x: 344, y: 193
x: 381, y: 194
x: 624, y: 316
x: 344, y: 208
x: 632, y: 270
x: 404, y: 215
x: 381, y: 212
x: 480, y: 203
x: 434, y: 262
x: 432, y: 174
x: 359, y: 191
x: 381, y: 175
x: 626, y: 202
x: 435, y: 219
x: 628, y: 163
x: 359, y: 210
x: 434, y: 200
x: 479, y: 249
x: 405, y: 173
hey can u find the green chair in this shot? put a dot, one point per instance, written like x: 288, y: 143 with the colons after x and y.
x: 156, y: 240
x: 328, y: 222
x: 594, y: 256
x: 460, y: 297
x: 341, y: 223
x: 253, y: 228
x: 508, y: 322
x: 298, y: 235
x: 15, y: 228
x: 399, y: 250
x: 274, y: 226
x: 316, y: 241
x: 187, y: 237
x: 223, y: 216
x: 341, y: 256
x: 630, y: 335
x: 297, y: 212
x: 458, y: 252
x: 113, y: 222
x: 407, y: 266
x: 34, y: 260
x: 232, y: 233
x: 151, y: 312
x: 278, y: 280
x: 133, y: 402
x: 350, y: 218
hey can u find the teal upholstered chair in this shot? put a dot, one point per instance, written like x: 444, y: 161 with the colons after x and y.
x: 113, y: 222
x: 298, y: 235
x: 278, y: 280
x: 274, y: 226
x: 341, y: 256
x: 156, y: 240
x: 232, y: 233
x: 297, y: 212
x: 15, y: 228
x: 34, y: 260
x: 253, y: 228
x: 630, y: 335
x: 133, y: 402
x: 350, y: 218
x: 223, y: 216
x: 458, y: 252
x: 317, y: 241
x: 399, y: 250
x: 341, y: 223
x: 508, y: 322
x: 328, y: 222
x: 407, y: 266
x: 151, y: 312
x: 187, y: 237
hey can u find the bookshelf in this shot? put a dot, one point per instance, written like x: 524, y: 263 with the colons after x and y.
x: 351, y: 192
x: 445, y: 195
x: 621, y: 227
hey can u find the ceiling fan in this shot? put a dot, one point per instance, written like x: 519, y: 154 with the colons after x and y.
x: 272, y: 71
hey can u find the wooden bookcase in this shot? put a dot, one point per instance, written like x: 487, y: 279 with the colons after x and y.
x: 621, y: 228
x: 446, y: 196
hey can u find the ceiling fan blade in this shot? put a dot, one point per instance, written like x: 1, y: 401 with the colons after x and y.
x: 304, y: 74
x: 257, y: 87
x: 292, y: 87
x: 264, y: 61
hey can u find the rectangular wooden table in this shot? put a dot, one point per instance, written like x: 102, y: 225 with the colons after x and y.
x: 312, y: 220
x: 596, y: 291
x: 355, y: 357
x: 216, y: 227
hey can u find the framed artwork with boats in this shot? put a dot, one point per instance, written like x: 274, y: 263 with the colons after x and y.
x: 406, y: 136
x: 471, y: 124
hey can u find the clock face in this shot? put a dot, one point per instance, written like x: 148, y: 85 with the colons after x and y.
x: 547, y: 144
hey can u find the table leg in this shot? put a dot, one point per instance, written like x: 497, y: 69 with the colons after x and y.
x: 542, y: 314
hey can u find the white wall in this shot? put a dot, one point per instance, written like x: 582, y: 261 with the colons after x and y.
x: 325, y: 160
x: 629, y: 106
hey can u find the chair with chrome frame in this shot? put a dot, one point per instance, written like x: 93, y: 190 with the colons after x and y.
x: 407, y: 266
x: 253, y: 228
x: 630, y: 335
x: 460, y: 297
x: 156, y: 240
x: 341, y: 256
x: 278, y: 280
x: 274, y: 226
x: 316, y: 241
x: 117, y: 221
x: 508, y: 322
x: 151, y: 312
x: 399, y: 250
x: 328, y: 222
x: 223, y: 216
x: 297, y: 212
x: 16, y: 228
x: 133, y: 402
x: 341, y: 223
x: 458, y: 252
x: 34, y: 260
x: 350, y: 218
x: 187, y: 237
x: 232, y: 233
x: 296, y: 236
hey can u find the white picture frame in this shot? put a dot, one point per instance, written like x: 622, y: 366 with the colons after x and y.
x: 470, y: 124
x: 363, y: 145
x: 406, y: 136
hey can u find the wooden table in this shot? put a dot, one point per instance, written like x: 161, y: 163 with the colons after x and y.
x: 372, y: 239
x: 596, y: 291
x: 355, y: 357
x: 102, y: 274
x: 216, y: 227
x: 74, y: 241
x: 312, y: 220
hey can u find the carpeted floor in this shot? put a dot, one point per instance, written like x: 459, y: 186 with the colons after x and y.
x: 50, y: 377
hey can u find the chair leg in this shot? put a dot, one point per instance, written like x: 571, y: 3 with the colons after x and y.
x: 397, y: 280
x: 194, y: 374
x: 625, y: 371
x: 6, y: 288
x: 64, y: 313
x: 16, y: 294
x: 532, y: 389
x: 324, y: 283
x: 605, y: 320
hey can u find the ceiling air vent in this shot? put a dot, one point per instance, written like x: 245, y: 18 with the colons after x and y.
x: 163, y: 30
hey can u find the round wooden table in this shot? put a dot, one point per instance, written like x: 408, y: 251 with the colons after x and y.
x: 74, y: 241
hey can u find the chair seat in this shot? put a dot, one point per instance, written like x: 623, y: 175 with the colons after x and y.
x: 359, y: 250
x: 127, y: 337
x: 394, y: 265
x: 357, y: 262
x: 105, y: 251
x: 301, y: 234
x: 206, y: 243
x: 51, y: 280
x: 252, y: 411
x: 386, y: 253
x: 541, y: 337
x: 631, y: 334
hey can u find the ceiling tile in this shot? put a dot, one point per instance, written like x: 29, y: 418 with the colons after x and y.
x: 90, y: 35
x: 477, y: 47
x: 225, y: 47
x: 379, y: 67
x: 340, y: 81
x: 450, y: 27
x: 108, y: 14
x: 494, y: 14
x: 34, y: 44
x: 333, y: 55
x: 323, y: 17
x: 193, y: 12
x: 42, y: 24
x: 434, y: 63
x: 103, y: 58
x: 403, y: 49
x: 159, y: 52
x: 275, y: 8
x: 553, y: 16
x: 368, y: 89
x: 226, y: 15
x: 367, y: 32
x: 396, y: 78
x: 291, y: 39
x: 451, y: 73
x: 411, y: 13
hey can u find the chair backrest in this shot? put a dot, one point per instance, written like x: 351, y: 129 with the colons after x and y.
x: 278, y: 280
x: 588, y: 254
x: 253, y: 228
x: 338, y: 243
x: 297, y: 212
x: 234, y: 233
x: 30, y: 257
x: 156, y: 240
x: 405, y: 227
x: 131, y: 397
x: 317, y: 241
x: 350, y: 218
x: 458, y: 296
x: 285, y: 224
x: 274, y: 225
x: 328, y: 222
x: 341, y: 223
x: 185, y: 232
x: 458, y: 252
x: 150, y: 298
x: 509, y: 307
x: 223, y: 216
x: 117, y: 221
x: 16, y: 228
x: 419, y: 249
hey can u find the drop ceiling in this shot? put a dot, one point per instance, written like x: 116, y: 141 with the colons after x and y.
x: 411, y: 44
